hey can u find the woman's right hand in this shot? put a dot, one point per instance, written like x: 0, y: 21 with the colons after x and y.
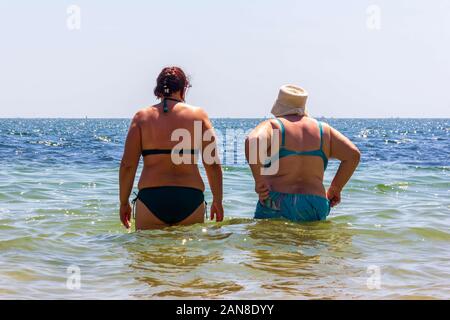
x: 125, y: 215
x: 334, y: 195
x: 217, y: 211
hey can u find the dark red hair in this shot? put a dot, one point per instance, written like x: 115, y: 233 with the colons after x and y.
x: 170, y: 80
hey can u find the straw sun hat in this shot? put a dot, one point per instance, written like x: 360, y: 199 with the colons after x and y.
x: 291, y: 100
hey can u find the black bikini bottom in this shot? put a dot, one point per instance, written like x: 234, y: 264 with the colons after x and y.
x: 171, y: 205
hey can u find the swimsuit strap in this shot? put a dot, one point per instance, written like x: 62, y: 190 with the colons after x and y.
x: 149, y: 152
x: 284, y: 152
x: 283, y: 132
x: 322, y: 153
x: 133, y: 202
x: 165, y: 108
x: 173, y: 99
x: 321, y: 134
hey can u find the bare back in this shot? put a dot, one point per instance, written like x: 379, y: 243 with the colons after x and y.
x: 156, y: 131
x: 301, y: 174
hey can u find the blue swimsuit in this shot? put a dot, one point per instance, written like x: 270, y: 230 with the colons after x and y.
x: 295, y: 207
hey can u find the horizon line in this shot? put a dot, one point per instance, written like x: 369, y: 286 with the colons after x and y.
x: 127, y: 118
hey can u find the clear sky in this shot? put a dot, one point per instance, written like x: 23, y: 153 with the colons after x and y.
x: 356, y: 58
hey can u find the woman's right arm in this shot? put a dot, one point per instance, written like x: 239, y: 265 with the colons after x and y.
x: 343, y: 149
x: 128, y: 167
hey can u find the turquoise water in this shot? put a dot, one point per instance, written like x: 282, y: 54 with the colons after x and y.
x: 390, y: 237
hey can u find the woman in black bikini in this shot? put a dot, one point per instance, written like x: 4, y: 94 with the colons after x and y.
x: 170, y: 193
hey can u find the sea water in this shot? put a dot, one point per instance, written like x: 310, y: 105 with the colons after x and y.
x: 60, y: 234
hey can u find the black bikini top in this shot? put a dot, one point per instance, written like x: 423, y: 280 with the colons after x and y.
x: 150, y: 152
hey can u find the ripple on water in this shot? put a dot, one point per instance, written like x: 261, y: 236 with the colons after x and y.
x: 58, y: 208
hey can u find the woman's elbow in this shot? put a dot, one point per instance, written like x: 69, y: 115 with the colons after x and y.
x: 356, y: 155
x: 128, y: 165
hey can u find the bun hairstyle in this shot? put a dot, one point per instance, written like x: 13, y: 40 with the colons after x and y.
x: 170, y: 80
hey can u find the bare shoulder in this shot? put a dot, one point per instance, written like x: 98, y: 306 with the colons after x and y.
x: 328, y: 129
x: 269, y: 123
x: 144, y: 114
x: 139, y: 116
x: 262, y: 128
x: 197, y: 112
x: 325, y: 126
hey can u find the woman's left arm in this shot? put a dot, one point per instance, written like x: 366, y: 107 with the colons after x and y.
x: 128, y: 167
x: 252, y: 145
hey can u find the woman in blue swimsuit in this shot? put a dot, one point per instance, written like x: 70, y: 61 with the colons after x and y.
x: 289, y: 183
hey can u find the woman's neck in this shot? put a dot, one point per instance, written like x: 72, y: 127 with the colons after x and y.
x: 176, y: 97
